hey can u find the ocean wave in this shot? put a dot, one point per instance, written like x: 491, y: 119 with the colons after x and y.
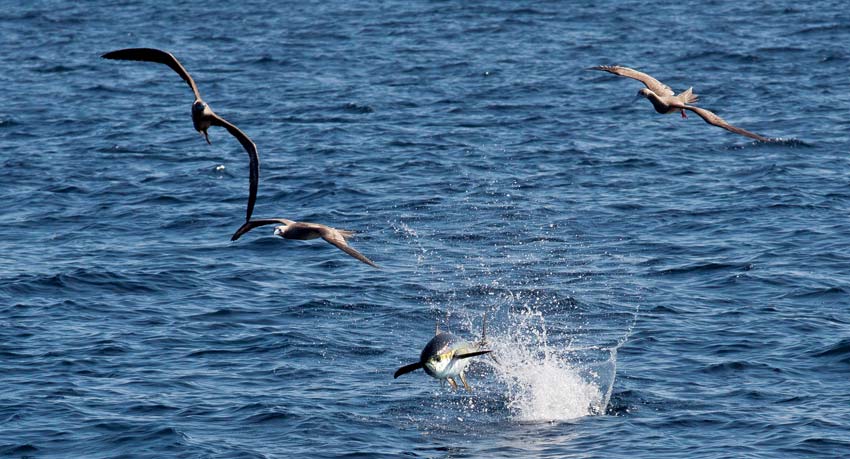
x: 839, y: 351
x: 706, y: 267
x: 736, y: 366
x: 22, y: 450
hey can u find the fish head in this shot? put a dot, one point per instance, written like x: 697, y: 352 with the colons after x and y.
x: 438, y: 365
x: 438, y: 355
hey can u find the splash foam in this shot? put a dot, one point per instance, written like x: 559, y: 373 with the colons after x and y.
x: 542, y: 382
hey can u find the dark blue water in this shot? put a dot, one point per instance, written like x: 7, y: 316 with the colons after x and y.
x: 655, y: 287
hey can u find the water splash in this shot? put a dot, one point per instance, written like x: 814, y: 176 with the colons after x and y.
x: 543, y: 382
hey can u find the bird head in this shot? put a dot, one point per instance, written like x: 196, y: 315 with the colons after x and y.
x: 279, y: 230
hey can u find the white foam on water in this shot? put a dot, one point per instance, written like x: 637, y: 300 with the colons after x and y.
x: 542, y: 382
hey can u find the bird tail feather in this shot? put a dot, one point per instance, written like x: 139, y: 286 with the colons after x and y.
x: 688, y: 97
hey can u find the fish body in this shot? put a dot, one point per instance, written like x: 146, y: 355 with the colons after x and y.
x: 445, y: 357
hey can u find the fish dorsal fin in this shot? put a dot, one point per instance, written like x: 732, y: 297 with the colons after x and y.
x: 436, y: 327
x: 484, y: 328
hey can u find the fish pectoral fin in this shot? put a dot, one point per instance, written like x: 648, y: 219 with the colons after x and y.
x: 407, y: 369
x: 471, y: 354
x: 452, y: 382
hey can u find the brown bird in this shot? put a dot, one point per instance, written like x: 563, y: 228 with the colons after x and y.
x: 304, y: 231
x: 666, y: 101
x: 202, y: 115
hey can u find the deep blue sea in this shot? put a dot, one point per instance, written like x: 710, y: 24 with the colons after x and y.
x: 654, y: 286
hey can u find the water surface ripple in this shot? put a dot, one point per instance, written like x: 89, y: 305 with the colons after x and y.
x: 656, y: 287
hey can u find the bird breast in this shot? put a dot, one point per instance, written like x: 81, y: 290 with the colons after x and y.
x: 660, y: 105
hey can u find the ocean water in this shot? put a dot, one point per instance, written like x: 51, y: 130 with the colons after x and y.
x: 654, y: 287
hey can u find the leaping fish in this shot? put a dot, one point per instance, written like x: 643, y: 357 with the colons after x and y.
x: 303, y: 231
x: 446, y: 356
x: 666, y: 101
x: 202, y: 115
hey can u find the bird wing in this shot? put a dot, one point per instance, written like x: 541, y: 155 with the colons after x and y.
x: 251, y: 224
x: 711, y: 118
x: 155, y: 55
x: 407, y: 369
x: 654, y: 85
x: 334, y: 237
x: 253, y: 157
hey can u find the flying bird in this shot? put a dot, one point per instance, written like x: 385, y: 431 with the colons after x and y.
x: 303, y: 231
x: 202, y: 115
x: 666, y: 101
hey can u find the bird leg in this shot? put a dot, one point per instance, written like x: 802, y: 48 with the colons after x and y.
x: 683, y: 114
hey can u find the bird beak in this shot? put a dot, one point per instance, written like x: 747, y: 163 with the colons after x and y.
x: 278, y: 232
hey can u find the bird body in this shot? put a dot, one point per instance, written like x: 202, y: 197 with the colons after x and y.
x: 202, y: 118
x: 670, y: 103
